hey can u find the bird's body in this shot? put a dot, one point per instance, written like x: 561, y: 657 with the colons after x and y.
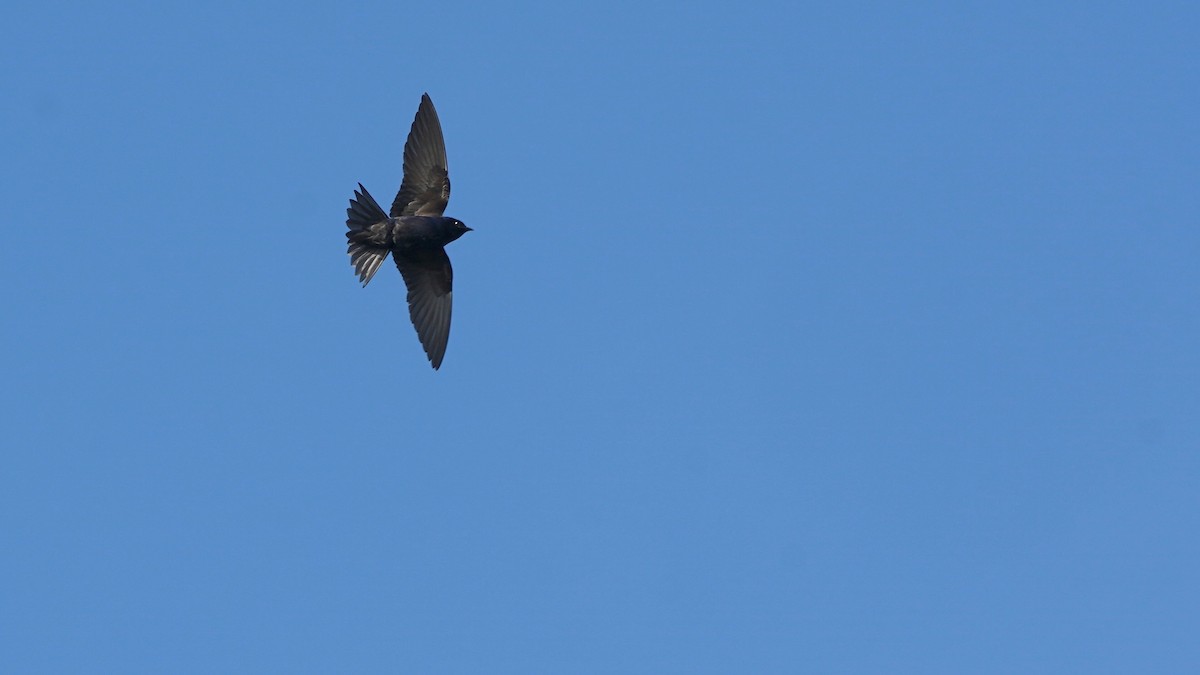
x: 414, y: 233
x: 410, y: 232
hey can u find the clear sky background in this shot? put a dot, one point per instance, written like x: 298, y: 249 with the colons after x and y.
x: 851, y: 337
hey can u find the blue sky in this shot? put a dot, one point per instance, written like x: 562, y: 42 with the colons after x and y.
x: 855, y: 337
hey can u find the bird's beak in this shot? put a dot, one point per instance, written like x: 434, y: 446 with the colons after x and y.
x: 468, y: 229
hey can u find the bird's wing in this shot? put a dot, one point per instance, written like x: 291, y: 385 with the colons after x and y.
x: 430, y: 280
x: 426, y: 186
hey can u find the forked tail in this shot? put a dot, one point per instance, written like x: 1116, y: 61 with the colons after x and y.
x: 363, y: 214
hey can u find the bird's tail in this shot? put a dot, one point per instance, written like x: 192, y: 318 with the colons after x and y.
x: 364, y: 212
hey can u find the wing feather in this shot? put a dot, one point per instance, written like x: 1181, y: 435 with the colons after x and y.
x: 430, y: 279
x: 425, y: 190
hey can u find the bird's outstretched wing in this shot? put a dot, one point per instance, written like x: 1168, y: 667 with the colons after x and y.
x: 430, y: 281
x: 426, y: 186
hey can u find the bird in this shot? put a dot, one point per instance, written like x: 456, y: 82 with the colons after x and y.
x: 414, y: 232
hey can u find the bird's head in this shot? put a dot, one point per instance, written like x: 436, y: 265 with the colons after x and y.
x: 457, y: 228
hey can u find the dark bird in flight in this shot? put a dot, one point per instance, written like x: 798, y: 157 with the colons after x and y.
x: 415, y: 232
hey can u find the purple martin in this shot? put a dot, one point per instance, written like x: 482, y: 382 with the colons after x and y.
x: 415, y: 232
